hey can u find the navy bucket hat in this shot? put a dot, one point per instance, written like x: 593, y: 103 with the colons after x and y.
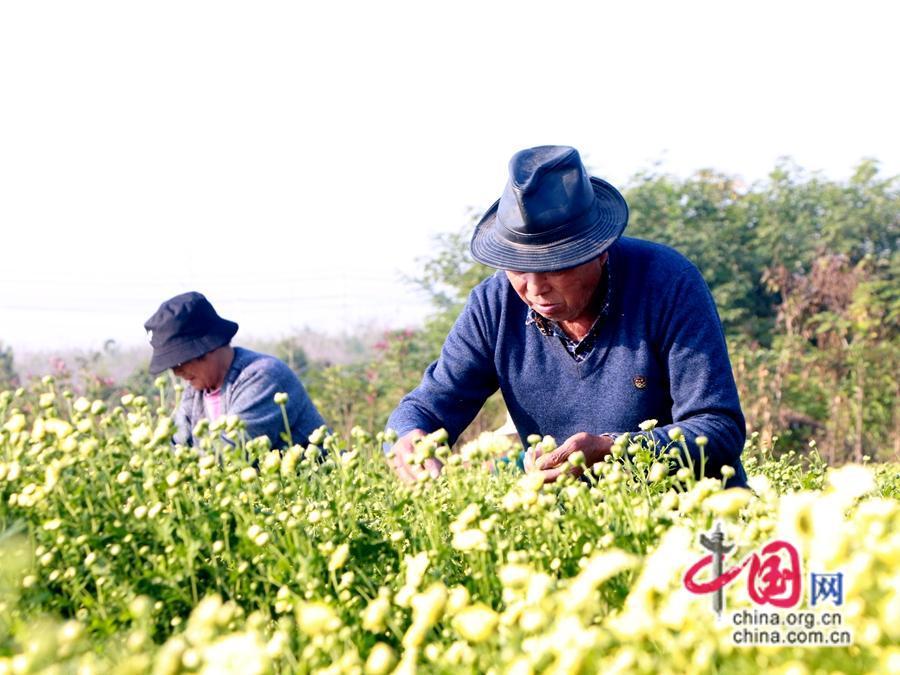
x: 551, y: 216
x: 183, y: 328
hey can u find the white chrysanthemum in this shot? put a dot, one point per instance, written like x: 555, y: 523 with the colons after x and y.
x: 70, y: 632
x: 165, y: 429
x: 539, y: 585
x: 381, y: 659
x: 15, y: 423
x: 488, y: 445
x: 317, y: 618
x: 415, y: 568
x: 375, y: 613
x: 238, y: 653
x: 466, y: 516
x: 168, y: 658
x: 475, y: 623
x: 470, y: 540
x: 661, y: 572
x: 140, y: 434
x: 13, y: 471
x: 795, y: 518
x: 514, y: 576
x: 601, y: 567
x: 728, y: 502
x: 338, y: 558
x: 428, y: 605
x: 759, y: 483
x: 457, y: 598
x: 605, y: 565
x: 657, y: 472
x: 851, y: 481
x: 58, y: 427
x: 202, y: 622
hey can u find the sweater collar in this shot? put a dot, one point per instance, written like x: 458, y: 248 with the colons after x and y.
x: 241, y: 358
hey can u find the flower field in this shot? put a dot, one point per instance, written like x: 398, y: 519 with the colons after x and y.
x: 120, y: 553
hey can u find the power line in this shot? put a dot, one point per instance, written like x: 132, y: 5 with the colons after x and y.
x: 213, y: 281
x: 335, y: 302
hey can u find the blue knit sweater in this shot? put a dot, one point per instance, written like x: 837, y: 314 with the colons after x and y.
x: 660, y: 354
x: 249, y: 392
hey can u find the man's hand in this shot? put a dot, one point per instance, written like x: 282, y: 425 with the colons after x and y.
x: 402, y: 463
x: 594, y: 449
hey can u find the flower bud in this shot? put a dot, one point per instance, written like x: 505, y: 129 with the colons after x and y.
x: 381, y: 660
x: 338, y: 558
x: 475, y: 623
x: 657, y: 472
x: 318, y: 435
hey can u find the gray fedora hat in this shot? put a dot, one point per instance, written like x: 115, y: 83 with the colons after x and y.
x: 183, y: 328
x: 551, y: 216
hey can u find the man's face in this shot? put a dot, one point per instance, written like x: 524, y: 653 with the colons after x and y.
x: 560, y: 296
x: 201, y: 373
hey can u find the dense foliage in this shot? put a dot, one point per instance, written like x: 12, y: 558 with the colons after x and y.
x: 120, y: 552
x: 804, y: 273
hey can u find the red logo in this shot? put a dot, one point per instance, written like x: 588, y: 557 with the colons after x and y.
x: 774, y: 576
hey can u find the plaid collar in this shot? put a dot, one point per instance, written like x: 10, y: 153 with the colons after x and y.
x: 579, y: 350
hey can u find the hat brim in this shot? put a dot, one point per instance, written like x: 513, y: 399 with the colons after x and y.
x: 489, y: 247
x: 187, y: 349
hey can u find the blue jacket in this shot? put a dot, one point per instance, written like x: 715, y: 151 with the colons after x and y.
x: 660, y: 354
x: 249, y: 392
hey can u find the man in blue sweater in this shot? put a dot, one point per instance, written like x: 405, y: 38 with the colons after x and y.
x: 188, y: 336
x: 586, y: 333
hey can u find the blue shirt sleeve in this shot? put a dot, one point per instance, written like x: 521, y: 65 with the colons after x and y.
x: 455, y: 387
x: 253, y: 401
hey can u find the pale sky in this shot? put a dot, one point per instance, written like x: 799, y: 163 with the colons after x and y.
x: 292, y: 160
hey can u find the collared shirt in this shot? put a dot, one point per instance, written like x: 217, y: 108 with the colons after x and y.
x: 577, y: 349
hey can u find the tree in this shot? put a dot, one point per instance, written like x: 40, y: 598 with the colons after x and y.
x: 9, y: 379
x: 447, y: 278
x: 291, y: 351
